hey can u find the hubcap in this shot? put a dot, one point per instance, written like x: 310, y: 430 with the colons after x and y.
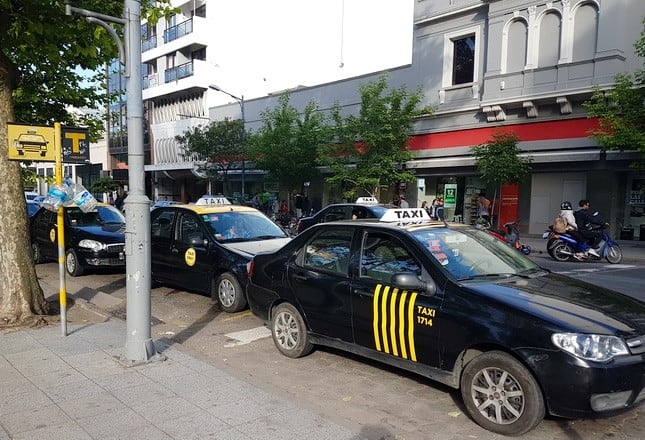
x: 226, y: 293
x: 286, y: 330
x: 71, y: 262
x: 498, y: 396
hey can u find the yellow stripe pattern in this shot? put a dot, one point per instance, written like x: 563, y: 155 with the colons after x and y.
x: 393, y: 322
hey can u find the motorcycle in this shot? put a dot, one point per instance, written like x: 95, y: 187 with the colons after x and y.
x: 510, y: 235
x: 563, y: 247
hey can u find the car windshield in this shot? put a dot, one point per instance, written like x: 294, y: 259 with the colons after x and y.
x: 101, y: 215
x: 469, y: 254
x: 242, y: 226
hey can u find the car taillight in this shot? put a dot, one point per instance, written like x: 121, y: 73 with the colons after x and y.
x: 249, y: 268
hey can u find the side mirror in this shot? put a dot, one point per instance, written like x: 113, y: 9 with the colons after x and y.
x: 411, y: 281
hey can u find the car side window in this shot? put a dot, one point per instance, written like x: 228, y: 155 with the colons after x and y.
x: 189, y: 229
x: 337, y: 213
x: 161, y: 226
x: 383, y: 256
x: 329, y: 251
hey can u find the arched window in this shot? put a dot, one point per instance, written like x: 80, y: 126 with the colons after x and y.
x: 516, y: 46
x: 585, y: 32
x: 549, y: 49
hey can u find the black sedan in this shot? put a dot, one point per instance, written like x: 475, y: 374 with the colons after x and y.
x: 457, y: 305
x: 206, y: 248
x: 365, y: 207
x: 92, y: 239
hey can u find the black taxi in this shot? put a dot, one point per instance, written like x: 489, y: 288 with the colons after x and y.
x: 205, y: 247
x: 455, y: 304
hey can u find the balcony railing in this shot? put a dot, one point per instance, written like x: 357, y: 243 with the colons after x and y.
x: 179, y: 72
x: 149, y: 43
x: 150, y: 81
x: 178, y: 31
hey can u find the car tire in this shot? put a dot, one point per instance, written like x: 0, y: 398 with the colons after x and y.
x: 72, y: 264
x: 514, y: 407
x: 289, y: 332
x: 36, y: 253
x: 228, y: 292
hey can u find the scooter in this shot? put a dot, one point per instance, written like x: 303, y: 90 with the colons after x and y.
x: 510, y: 235
x: 563, y: 247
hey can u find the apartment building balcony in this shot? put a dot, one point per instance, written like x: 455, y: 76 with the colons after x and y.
x: 192, y: 76
x: 188, y: 36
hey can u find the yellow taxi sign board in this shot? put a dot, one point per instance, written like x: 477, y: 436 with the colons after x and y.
x: 31, y: 142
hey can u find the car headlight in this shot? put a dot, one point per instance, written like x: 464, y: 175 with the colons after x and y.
x: 599, y: 348
x: 92, y: 244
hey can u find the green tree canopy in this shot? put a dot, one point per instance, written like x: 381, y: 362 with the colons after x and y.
x: 217, y: 148
x: 287, y: 142
x: 621, y: 111
x: 369, y: 150
x: 499, y: 160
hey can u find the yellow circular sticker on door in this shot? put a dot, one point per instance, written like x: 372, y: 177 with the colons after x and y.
x: 190, y: 256
x: 52, y: 235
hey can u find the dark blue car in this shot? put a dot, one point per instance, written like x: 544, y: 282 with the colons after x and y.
x: 92, y: 239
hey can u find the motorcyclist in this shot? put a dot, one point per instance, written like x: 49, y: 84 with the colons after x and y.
x: 589, y: 225
x: 566, y: 212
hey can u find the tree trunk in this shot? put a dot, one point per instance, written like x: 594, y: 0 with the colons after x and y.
x: 21, y: 298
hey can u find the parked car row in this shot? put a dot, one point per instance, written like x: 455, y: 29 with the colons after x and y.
x: 446, y: 301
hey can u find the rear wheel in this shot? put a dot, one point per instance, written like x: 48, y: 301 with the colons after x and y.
x: 501, y: 395
x: 36, y: 253
x: 614, y: 254
x: 289, y: 332
x: 228, y: 292
x: 561, y: 251
x: 72, y: 264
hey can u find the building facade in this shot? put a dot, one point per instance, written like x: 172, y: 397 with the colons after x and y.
x: 520, y: 66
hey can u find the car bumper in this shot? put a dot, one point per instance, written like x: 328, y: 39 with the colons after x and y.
x: 260, y: 300
x: 574, y: 388
x: 95, y: 259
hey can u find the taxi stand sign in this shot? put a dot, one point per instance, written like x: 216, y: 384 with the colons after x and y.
x: 31, y: 143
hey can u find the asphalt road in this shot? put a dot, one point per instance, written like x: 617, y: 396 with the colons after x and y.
x: 378, y: 401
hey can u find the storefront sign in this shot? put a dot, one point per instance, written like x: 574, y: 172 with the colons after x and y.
x: 450, y: 195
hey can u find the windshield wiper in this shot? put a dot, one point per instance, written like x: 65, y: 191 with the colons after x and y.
x: 268, y: 237
x: 489, y: 275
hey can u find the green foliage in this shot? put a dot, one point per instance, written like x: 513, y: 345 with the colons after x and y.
x: 217, y: 148
x: 499, y: 160
x: 104, y: 185
x: 621, y: 111
x: 287, y: 142
x: 370, y: 150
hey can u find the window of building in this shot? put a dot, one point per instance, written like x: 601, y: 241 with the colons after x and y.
x: 461, y: 58
x: 585, y: 33
x: 549, y: 45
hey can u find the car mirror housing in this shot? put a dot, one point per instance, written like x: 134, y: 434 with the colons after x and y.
x: 411, y: 281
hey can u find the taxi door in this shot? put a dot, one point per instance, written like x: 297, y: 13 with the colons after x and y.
x: 190, y: 264
x: 319, y: 281
x: 399, y: 323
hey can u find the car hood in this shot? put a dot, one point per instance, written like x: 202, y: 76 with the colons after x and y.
x: 109, y: 232
x: 570, y: 304
x: 250, y: 248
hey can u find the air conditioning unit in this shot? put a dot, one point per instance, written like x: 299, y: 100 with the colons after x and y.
x: 104, y: 173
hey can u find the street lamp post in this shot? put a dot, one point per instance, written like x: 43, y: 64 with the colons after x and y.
x: 240, y: 101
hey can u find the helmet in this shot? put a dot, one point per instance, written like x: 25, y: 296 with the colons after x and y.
x: 566, y: 206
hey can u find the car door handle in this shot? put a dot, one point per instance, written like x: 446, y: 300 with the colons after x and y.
x: 174, y: 250
x: 300, y: 277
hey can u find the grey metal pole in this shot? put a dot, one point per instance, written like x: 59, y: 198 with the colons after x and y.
x: 241, y: 101
x: 139, y: 346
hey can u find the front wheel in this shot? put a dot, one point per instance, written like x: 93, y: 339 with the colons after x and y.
x: 501, y: 395
x: 228, y: 292
x: 72, y: 264
x: 614, y: 254
x: 289, y: 332
x: 36, y: 253
x: 561, y: 251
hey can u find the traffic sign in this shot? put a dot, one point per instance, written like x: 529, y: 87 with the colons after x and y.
x: 31, y: 142
x: 76, y: 145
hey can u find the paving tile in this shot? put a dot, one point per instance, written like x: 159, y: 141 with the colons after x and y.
x: 57, y: 378
x: 33, y: 419
x: 15, y: 384
x: 74, y: 390
x: 122, y: 380
x: 139, y: 395
x: 140, y: 433
x: 165, y: 409
x: 113, y: 424
x: 161, y: 371
x: 33, y: 399
x: 198, y: 425
x: 91, y: 406
x: 68, y: 431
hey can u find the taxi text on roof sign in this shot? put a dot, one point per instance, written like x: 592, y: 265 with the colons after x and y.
x: 367, y: 201
x: 405, y: 215
x: 212, y: 200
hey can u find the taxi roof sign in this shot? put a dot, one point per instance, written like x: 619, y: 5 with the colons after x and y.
x: 367, y: 201
x: 405, y: 215
x: 208, y: 199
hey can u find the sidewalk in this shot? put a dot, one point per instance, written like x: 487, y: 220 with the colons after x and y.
x: 75, y: 387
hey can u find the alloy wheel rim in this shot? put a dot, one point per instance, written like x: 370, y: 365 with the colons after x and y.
x: 226, y: 293
x: 286, y: 330
x: 498, y: 396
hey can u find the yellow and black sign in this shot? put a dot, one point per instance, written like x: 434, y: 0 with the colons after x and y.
x: 31, y: 142
x: 76, y: 145
x: 190, y: 256
x: 394, y: 318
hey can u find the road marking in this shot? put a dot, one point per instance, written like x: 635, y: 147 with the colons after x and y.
x: 595, y: 269
x: 247, y: 336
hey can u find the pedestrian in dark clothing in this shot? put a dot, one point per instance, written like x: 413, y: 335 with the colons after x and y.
x: 589, y: 225
x: 439, y: 209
